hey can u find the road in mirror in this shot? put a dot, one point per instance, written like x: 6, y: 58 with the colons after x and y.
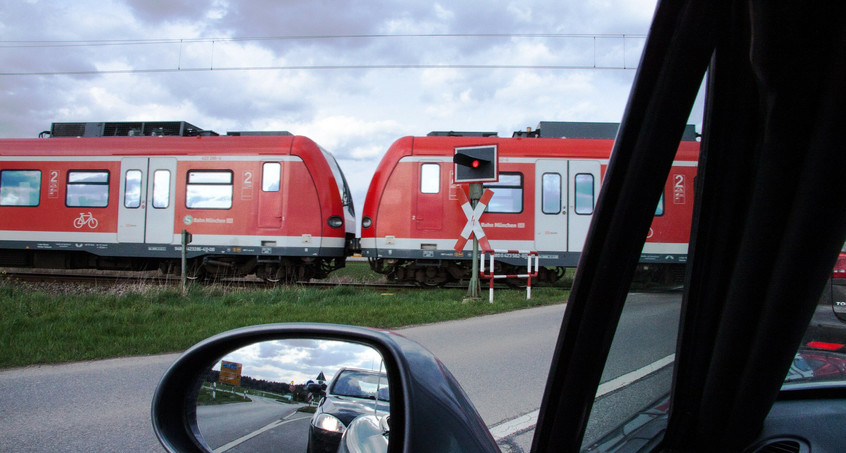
x: 293, y: 395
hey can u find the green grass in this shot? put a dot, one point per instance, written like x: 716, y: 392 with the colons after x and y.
x: 356, y: 272
x: 220, y: 397
x: 39, y: 327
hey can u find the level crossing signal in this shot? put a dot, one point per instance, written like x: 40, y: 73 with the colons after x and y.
x: 476, y: 164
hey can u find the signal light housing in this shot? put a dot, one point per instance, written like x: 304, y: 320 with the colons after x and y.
x: 476, y: 164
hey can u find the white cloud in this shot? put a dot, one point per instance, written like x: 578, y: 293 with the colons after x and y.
x: 443, y: 14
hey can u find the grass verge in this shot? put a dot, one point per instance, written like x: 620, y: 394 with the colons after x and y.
x: 38, y: 326
x: 208, y: 397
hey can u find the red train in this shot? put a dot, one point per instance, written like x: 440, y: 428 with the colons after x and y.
x: 543, y: 201
x: 118, y: 196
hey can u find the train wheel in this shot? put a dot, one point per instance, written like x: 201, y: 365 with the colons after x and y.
x: 269, y: 273
x: 431, y: 277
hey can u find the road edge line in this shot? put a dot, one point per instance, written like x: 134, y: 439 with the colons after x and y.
x: 528, y: 421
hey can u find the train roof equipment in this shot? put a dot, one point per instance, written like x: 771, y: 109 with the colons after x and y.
x: 589, y: 130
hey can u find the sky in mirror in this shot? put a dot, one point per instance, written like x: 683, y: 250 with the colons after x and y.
x: 301, y: 360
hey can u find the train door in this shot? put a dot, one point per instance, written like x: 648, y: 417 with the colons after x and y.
x: 429, y: 209
x: 161, y: 200
x: 270, y: 196
x: 583, y: 187
x: 133, y: 195
x: 551, y: 205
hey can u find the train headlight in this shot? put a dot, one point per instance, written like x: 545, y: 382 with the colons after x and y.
x: 335, y: 221
x: 366, y: 222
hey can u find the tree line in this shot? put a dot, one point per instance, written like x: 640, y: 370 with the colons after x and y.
x: 297, y: 391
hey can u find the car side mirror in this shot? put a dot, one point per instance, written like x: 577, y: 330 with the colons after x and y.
x: 316, y: 388
x: 428, y: 409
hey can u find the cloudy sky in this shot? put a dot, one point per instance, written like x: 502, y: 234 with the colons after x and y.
x: 352, y: 75
x: 301, y: 360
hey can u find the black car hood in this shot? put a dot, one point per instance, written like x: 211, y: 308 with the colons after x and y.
x: 347, y: 408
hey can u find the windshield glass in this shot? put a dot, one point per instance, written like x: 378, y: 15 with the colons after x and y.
x: 634, y: 393
x: 361, y: 384
x: 340, y: 180
x: 822, y: 354
x: 638, y: 372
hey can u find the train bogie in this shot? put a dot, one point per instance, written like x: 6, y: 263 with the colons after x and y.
x: 543, y: 201
x: 273, y: 205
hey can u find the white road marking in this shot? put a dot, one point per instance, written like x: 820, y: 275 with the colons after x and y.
x: 528, y: 421
x: 255, y: 433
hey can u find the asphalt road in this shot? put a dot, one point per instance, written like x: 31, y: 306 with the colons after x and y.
x: 260, y: 425
x: 501, y: 361
x: 100, y: 406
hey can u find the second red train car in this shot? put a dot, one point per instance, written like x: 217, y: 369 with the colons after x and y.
x: 543, y: 202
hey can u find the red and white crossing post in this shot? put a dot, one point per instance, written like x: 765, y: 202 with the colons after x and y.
x: 475, y: 165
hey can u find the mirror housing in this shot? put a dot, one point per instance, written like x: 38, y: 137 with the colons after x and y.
x: 429, y: 410
x: 316, y: 388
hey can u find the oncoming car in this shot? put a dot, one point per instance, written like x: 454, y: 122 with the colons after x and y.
x: 351, y: 393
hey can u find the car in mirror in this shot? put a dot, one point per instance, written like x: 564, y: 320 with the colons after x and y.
x: 276, y: 389
x: 313, y: 387
x: 354, y: 393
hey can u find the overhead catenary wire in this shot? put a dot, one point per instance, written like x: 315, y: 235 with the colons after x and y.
x: 315, y: 67
x: 179, y: 67
x: 148, y: 41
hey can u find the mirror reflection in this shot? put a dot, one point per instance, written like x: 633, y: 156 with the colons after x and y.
x: 296, y: 395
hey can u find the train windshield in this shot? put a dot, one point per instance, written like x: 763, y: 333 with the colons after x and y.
x: 343, y: 188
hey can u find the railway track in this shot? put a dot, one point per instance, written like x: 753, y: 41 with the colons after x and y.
x: 154, y: 278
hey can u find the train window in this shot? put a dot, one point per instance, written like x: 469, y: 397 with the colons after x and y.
x: 584, y: 194
x: 430, y: 178
x: 551, y: 195
x: 161, y: 189
x: 20, y: 187
x: 508, y: 194
x: 132, y: 189
x: 343, y: 188
x: 209, y: 190
x: 659, y: 211
x: 87, y: 189
x: 271, y: 176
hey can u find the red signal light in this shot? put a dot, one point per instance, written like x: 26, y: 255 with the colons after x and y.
x: 840, y: 267
x: 475, y: 163
x: 824, y: 345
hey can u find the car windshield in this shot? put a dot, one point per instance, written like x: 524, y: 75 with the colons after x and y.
x: 360, y: 384
x: 822, y: 354
x: 636, y: 383
x: 638, y: 374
